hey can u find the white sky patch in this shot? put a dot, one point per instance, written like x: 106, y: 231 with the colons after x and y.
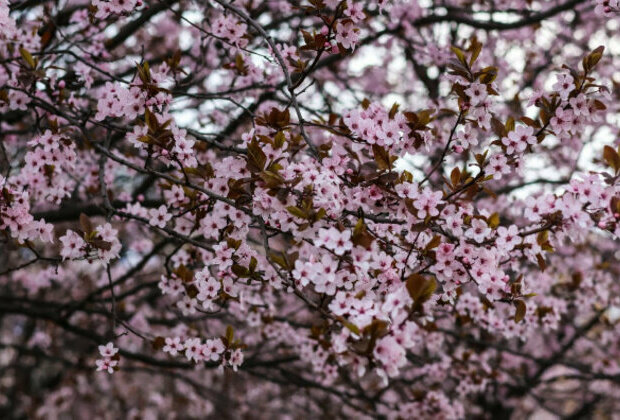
x: 367, y: 57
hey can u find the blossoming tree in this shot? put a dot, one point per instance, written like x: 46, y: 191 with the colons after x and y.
x: 317, y: 208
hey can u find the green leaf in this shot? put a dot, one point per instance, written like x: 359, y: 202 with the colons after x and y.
x: 27, y: 57
x: 352, y: 327
x: 493, y: 220
x: 229, y: 335
x: 460, y: 55
x: 279, y: 139
x: 297, y: 212
x: 510, y: 124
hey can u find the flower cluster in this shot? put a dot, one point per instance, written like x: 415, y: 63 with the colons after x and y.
x: 105, y: 9
x: 211, y: 350
x: 109, y: 360
x: 99, y: 244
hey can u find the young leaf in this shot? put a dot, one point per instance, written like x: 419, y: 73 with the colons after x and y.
x: 27, y: 57
x: 521, y: 309
x: 420, y: 287
x: 493, y: 220
x: 433, y: 243
x: 85, y: 224
x: 612, y: 158
x: 460, y: 55
x: 297, y: 212
x: 229, y: 335
x: 455, y: 176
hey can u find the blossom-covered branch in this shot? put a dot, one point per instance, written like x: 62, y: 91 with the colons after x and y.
x: 326, y: 208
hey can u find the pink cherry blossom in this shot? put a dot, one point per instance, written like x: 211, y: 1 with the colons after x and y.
x: 107, y: 365
x: 564, y: 85
x: 519, y: 139
x: 478, y: 231
x: 346, y: 35
x: 426, y: 202
x: 159, y: 217
x: 173, y: 346
x: 477, y: 93
x: 108, y: 350
x: 72, y: 245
